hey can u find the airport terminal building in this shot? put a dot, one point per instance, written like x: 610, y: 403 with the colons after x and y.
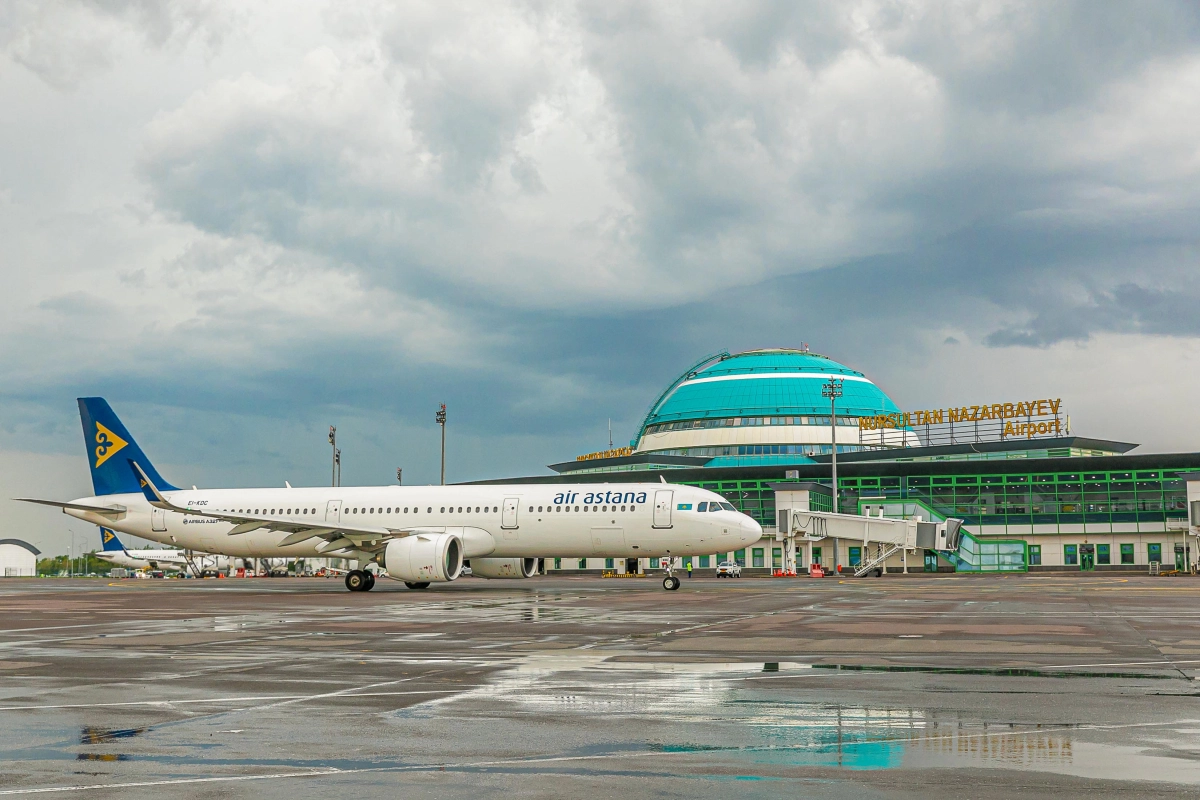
x: 743, y: 424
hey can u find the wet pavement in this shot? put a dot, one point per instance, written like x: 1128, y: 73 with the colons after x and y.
x: 939, y: 686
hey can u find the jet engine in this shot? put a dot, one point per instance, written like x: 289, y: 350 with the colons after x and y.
x: 504, y: 567
x: 424, y: 558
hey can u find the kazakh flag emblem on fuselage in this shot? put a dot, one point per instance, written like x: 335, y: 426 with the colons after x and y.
x: 107, y: 444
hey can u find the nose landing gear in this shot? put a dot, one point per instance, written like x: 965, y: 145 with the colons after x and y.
x: 670, y: 583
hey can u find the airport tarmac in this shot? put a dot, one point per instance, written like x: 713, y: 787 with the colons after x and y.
x: 903, y: 686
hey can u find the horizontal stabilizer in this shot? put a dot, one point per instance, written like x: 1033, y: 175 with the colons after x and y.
x: 112, y: 510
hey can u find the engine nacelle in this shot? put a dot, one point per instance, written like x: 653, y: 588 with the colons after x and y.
x: 424, y: 557
x: 504, y: 567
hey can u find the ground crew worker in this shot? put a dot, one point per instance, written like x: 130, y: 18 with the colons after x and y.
x: 689, y: 567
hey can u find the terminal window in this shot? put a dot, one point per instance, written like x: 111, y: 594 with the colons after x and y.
x: 1154, y: 552
x: 739, y: 557
x: 1127, y: 554
x: 1035, y: 555
x: 608, y: 563
x: 1071, y: 555
x: 704, y: 562
x: 855, y: 556
x: 777, y: 557
x: 1103, y: 556
x: 757, y: 555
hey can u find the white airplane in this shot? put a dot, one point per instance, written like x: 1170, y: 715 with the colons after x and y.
x: 113, y: 550
x: 417, y: 534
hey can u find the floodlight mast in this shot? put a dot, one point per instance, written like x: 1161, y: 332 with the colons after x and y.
x: 334, y: 465
x: 833, y: 390
x: 441, y: 420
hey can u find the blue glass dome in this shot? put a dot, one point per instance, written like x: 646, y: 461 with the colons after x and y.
x: 766, y: 383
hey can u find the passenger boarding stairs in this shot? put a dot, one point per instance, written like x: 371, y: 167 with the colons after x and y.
x: 888, y: 535
x: 973, y: 554
x: 895, y: 525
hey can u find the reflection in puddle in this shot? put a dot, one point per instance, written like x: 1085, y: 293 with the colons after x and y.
x: 101, y: 757
x: 712, y: 711
x: 90, y: 735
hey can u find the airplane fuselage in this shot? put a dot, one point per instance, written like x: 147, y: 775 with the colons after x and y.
x: 499, y: 520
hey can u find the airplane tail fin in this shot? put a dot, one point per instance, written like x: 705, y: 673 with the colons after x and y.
x: 109, y: 541
x: 105, y: 436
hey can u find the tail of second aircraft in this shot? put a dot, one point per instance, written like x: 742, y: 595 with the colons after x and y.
x: 109, y: 541
x: 105, y: 436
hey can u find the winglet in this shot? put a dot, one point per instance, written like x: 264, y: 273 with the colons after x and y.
x: 148, y: 488
x: 661, y: 478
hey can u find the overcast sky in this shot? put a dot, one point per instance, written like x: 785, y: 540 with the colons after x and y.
x: 244, y: 222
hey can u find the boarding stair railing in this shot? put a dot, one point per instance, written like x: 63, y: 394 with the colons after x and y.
x: 890, y: 535
x: 971, y: 553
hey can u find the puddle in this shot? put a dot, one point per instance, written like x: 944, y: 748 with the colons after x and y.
x: 744, y: 724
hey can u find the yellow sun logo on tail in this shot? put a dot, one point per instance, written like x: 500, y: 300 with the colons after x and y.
x: 107, y: 444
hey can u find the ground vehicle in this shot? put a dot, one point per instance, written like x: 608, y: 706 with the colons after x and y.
x: 729, y: 569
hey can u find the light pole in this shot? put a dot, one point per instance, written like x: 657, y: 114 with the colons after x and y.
x: 441, y: 420
x: 833, y: 390
x: 333, y: 466
x: 337, y: 463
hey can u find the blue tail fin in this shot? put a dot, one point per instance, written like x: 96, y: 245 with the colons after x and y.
x: 105, y: 436
x: 109, y: 540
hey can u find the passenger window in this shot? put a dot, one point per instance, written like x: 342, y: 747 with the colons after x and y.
x: 622, y: 508
x: 430, y: 510
x: 531, y: 509
x: 576, y: 508
x: 702, y: 507
x: 443, y: 509
x: 476, y: 509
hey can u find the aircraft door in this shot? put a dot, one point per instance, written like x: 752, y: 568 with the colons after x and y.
x: 509, y: 519
x: 662, y: 508
x: 158, y: 519
x: 333, y: 511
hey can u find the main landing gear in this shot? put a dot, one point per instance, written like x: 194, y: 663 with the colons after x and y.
x: 670, y: 583
x: 360, y: 580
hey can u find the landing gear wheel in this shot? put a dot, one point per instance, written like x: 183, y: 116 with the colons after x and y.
x: 417, y: 585
x: 370, y: 581
x: 356, y: 580
x: 670, y: 583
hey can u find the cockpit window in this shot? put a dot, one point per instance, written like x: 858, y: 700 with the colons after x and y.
x: 728, y: 506
x: 702, y: 507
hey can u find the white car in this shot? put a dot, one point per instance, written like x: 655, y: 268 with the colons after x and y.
x: 729, y: 569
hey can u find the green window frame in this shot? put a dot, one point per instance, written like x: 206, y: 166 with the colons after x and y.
x: 1035, y: 555
x: 704, y: 562
x: 739, y: 557
x: 854, y: 555
x: 1127, y: 553
x: 1103, y: 554
x: 1071, y: 555
x: 757, y: 558
x: 776, y: 557
x: 608, y: 564
x: 816, y: 555
x: 1154, y: 552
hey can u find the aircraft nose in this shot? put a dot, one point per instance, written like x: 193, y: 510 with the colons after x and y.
x: 752, y: 529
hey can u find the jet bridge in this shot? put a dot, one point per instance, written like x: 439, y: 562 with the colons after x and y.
x: 889, y: 536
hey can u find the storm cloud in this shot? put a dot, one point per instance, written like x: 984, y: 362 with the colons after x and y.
x: 244, y: 223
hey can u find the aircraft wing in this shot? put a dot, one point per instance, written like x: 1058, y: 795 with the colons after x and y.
x: 337, y: 536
